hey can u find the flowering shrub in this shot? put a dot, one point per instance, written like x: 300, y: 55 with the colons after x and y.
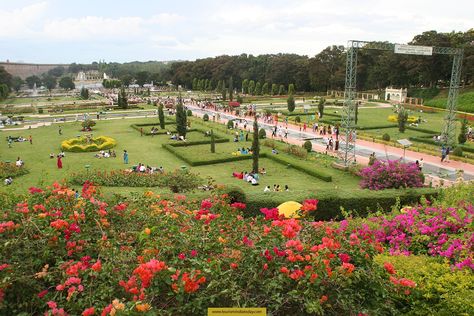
x: 432, y: 230
x: 391, y: 174
x: 11, y: 170
x: 177, y: 181
x: 61, y: 254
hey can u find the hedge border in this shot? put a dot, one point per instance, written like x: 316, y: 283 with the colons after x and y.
x: 194, y: 163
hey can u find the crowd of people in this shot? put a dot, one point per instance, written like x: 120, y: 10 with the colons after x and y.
x: 146, y: 169
x: 105, y: 154
x: 276, y: 188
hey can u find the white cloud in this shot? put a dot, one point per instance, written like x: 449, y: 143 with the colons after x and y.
x: 21, y: 22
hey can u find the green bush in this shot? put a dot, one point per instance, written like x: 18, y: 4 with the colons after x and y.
x: 197, y: 161
x: 298, y: 119
x: 458, y: 151
x: 439, y: 289
x: 308, y: 146
x: 230, y: 124
x: 296, y: 151
x: 234, y: 194
x: 11, y: 170
x: 205, y: 117
x: 262, y: 134
x: 331, y: 203
x: 40, y: 110
x: 386, y: 137
x: 189, y: 113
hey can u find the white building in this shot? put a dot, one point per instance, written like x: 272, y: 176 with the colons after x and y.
x: 398, y: 95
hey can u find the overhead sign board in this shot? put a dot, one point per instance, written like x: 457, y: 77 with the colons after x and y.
x: 413, y: 50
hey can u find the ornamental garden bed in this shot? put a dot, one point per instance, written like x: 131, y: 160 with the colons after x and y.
x: 88, y: 144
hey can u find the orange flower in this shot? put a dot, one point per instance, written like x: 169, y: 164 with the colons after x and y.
x: 143, y: 307
x: 147, y: 231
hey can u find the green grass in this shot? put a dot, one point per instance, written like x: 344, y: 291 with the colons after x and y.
x: 148, y: 150
x: 465, y: 102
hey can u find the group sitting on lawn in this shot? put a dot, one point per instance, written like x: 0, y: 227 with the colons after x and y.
x: 242, y: 151
x: 146, y: 169
x: 106, y: 154
x: 276, y: 188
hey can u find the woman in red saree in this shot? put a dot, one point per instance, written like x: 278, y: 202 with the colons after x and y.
x: 60, y: 163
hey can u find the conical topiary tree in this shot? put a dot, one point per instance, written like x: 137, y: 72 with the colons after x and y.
x: 213, y: 142
x: 161, y: 116
x: 255, y: 146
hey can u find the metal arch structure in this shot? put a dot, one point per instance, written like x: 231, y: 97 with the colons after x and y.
x: 348, y: 136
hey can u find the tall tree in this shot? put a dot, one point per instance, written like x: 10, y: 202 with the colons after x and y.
x: 462, y: 137
x: 255, y: 146
x: 252, y: 87
x: 195, y: 83
x: 142, y: 77
x: 4, y: 91
x: 274, y: 89
x: 122, y: 99
x: 231, y: 89
x: 209, y: 85
x: 161, y: 116
x: 402, y: 119
x: 213, y: 142
x: 321, y: 107
x: 5, y: 77
x: 84, y: 93
x: 281, y: 91
x: 17, y: 82
x: 291, y: 103
x: 181, y: 119
x: 66, y: 83
x: 49, y: 82
x: 31, y: 80
x: 258, y: 88
x: 265, y: 88
x: 291, y: 88
x: 245, y: 86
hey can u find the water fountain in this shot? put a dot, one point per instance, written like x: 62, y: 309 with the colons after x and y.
x: 35, y: 91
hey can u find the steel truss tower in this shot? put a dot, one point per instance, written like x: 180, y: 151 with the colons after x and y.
x: 348, y: 126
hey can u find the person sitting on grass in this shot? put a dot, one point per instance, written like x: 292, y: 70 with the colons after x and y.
x: 254, y: 181
x: 51, y: 156
x: 267, y: 189
x: 263, y: 171
x: 8, y: 180
x: 274, y: 151
x: 236, y: 139
x: 182, y: 138
x: 174, y: 137
x: 287, y: 189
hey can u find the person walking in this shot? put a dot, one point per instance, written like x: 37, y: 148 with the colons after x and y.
x: 443, y: 153
x: 60, y: 162
x: 31, y: 140
x: 125, y: 157
x: 60, y: 131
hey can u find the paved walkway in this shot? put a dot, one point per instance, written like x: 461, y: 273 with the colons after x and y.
x: 432, y: 165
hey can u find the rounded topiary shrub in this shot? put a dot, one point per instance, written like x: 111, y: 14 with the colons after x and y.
x: 190, y: 113
x: 235, y: 194
x: 386, y: 137
x: 308, y: 146
x: 298, y: 119
x: 262, y: 134
x: 230, y: 124
x: 84, y: 144
x: 205, y: 117
x: 458, y: 152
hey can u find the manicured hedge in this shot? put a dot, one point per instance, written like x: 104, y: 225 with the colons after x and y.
x: 365, y: 128
x: 422, y: 130
x: 330, y: 204
x: 157, y: 125
x: 192, y: 162
x: 294, y: 163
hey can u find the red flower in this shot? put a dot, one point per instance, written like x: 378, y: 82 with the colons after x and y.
x: 284, y: 270
x: 309, y: 205
x: 206, y: 204
x: 194, y: 253
x: 271, y: 213
x: 182, y: 256
x: 42, y: 293
x: 97, y: 266
x: 234, y: 265
x: 323, y: 299
x: 239, y: 205
x: 34, y: 190
x: 88, y: 311
x: 344, y: 257
x: 389, y: 268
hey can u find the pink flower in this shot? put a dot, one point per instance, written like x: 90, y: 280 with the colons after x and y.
x: 194, y: 253
x: 182, y: 256
x: 88, y: 311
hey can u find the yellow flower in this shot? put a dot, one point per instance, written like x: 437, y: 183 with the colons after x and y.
x: 117, y: 305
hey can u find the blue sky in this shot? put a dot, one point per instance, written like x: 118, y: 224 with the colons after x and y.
x: 55, y: 31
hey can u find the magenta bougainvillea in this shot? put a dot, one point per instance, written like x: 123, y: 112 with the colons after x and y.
x: 391, y: 174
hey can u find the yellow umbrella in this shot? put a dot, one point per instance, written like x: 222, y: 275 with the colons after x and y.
x: 289, y: 209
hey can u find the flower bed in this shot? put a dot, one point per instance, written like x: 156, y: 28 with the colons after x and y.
x: 11, y: 170
x: 177, y: 256
x: 83, y: 144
